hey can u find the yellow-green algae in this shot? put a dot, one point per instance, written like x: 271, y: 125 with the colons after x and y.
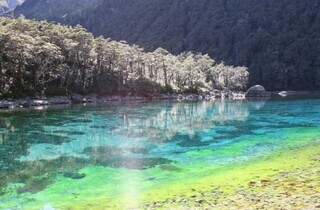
x: 184, y: 185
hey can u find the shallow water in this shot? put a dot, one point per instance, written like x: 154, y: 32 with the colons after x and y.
x: 54, y: 157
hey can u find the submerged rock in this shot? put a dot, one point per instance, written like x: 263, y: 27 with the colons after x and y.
x: 69, y: 132
x: 35, y: 185
x: 113, y: 151
x: 80, y: 121
x: 74, y: 175
x: 40, y: 138
x: 170, y: 168
x: 257, y: 91
x: 132, y: 163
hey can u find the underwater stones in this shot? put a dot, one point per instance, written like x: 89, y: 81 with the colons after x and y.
x: 102, y: 151
x: 71, y: 132
x: 35, y: 185
x: 114, y: 157
x: 257, y: 91
x: 74, y: 175
x: 189, y: 141
x: 135, y: 150
x: 100, y: 126
x: 170, y: 168
x: 80, y: 121
x: 132, y: 163
x: 112, y: 151
x: 110, y: 127
x: 38, y: 138
x: 3, y: 191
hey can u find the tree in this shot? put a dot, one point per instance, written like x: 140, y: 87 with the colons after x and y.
x: 41, y: 58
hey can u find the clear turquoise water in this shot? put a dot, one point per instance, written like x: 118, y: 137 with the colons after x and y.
x: 41, y: 150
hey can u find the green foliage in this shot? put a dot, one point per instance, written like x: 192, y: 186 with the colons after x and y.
x: 41, y: 58
x: 278, y: 41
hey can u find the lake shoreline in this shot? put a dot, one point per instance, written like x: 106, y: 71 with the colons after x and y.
x: 34, y: 102
x: 95, y: 99
x: 90, y: 99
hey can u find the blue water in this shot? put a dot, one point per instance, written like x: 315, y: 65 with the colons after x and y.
x: 142, y: 135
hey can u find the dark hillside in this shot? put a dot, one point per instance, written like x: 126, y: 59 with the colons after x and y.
x: 279, y: 41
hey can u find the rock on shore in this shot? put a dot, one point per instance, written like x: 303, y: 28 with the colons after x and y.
x: 93, y: 98
x: 257, y: 91
x: 33, y: 102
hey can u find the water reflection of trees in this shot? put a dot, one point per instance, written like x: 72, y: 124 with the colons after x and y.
x: 151, y: 122
x: 162, y: 124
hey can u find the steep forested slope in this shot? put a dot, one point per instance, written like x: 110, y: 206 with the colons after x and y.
x: 278, y: 40
x: 44, y: 58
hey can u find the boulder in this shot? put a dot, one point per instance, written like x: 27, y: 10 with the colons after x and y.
x: 24, y: 103
x: 226, y: 94
x: 257, y: 91
x: 139, y: 98
x: 90, y: 98
x: 237, y: 96
x: 116, y: 98
x: 39, y: 103
x: 59, y: 100
x: 217, y: 94
x: 181, y: 97
x: 190, y: 97
x: 76, y: 98
x: 4, y: 105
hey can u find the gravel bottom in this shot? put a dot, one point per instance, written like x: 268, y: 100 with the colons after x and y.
x: 298, y: 188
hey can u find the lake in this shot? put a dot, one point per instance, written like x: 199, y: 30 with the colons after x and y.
x: 144, y: 154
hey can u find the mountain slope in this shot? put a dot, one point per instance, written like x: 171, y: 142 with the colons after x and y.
x: 7, y: 5
x: 277, y: 40
x: 52, y: 9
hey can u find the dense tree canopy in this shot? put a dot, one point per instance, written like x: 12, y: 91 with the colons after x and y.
x: 278, y: 40
x: 49, y: 59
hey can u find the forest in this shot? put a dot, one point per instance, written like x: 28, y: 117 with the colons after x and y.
x: 278, y: 41
x: 46, y: 59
